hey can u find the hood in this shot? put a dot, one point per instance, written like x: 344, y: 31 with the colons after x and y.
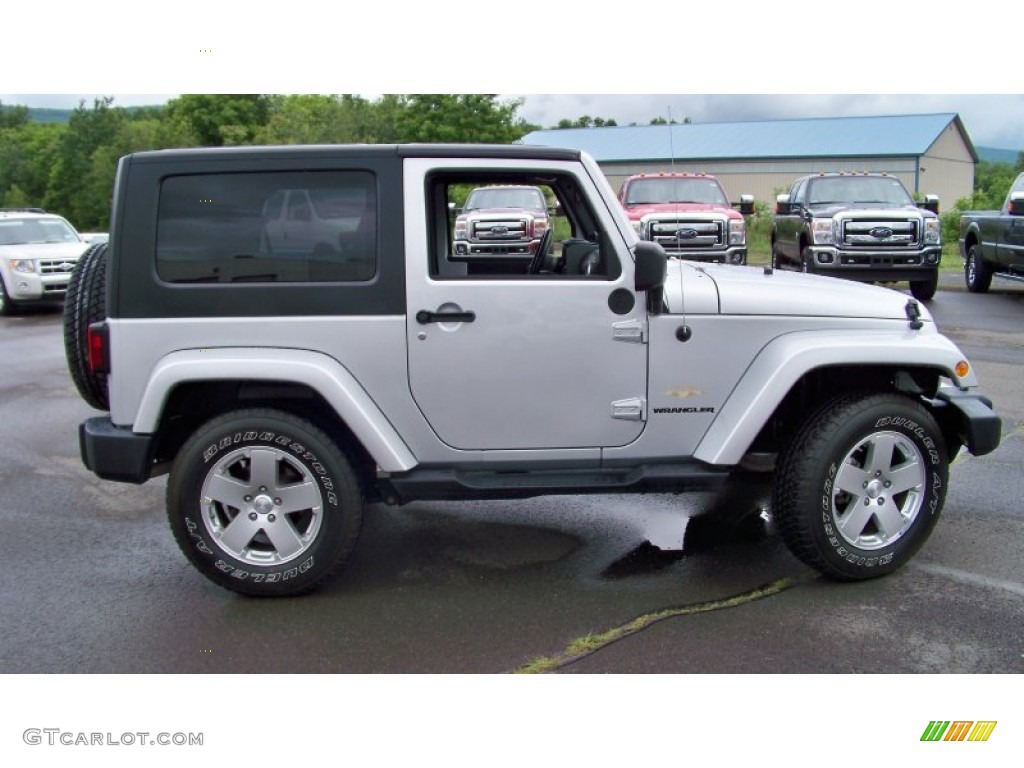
x: 70, y: 251
x: 636, y: 212
x: 503, y: 212
x: 732, y: 290
x: 831, y: 209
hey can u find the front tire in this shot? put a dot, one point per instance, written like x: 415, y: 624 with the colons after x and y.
x: 263, y: 503
x: 977, y: 274
x: 862, y: 485
x: 7, y: 307
x: 806, y: 261
x: 924, y: 290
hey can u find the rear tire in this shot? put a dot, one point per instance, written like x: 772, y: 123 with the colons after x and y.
x: 263, y: 503
x: 86, y: 303
x: 977, y: 274
x: 861, y: 486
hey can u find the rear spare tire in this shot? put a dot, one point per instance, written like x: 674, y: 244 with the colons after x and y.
x: 84, y: 304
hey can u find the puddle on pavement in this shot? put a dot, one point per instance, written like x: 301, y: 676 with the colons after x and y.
x: 739, y: 514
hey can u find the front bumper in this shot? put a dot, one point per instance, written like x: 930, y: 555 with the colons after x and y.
x: 519, y: 249
x: 22, y: 286
x: 969, y: 419
x: 875, y: 266
x: 115, y: 453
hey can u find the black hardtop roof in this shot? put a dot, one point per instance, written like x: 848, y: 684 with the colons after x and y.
x: 473, y: 151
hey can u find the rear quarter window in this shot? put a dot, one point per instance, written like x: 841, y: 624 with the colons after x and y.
x: 267, y: 227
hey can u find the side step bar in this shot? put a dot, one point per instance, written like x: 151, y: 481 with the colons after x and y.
x: 454, y: 485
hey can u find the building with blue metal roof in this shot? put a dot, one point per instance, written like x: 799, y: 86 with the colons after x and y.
x: 931, y: 154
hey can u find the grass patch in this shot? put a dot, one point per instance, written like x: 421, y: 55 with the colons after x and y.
x: 593, y: 642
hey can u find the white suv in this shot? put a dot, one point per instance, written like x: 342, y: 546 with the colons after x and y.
x: 38, y: 250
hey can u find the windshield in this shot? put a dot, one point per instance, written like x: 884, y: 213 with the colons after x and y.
x: 858, y: 189
x: 675, y: 190
x: 506, y: 197
x: 24, y: 231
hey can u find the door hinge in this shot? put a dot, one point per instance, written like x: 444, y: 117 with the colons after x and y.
x: 634, y: 331
x: 630, y: 409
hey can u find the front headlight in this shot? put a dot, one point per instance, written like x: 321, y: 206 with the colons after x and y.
x: 638, y: 226
x: 932, y: 232
x: 737, y: 232
x: 460, y: 229
x: 821, y: 231
x: 22, y: 265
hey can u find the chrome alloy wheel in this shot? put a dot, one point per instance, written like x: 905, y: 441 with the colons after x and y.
x: 261, y: 506
x: 879, y: 490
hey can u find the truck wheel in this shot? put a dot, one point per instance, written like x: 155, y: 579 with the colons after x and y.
x: 924, y: 290
x: 263, y: 503
x: 862, y: 485
x: 86, y: 303
x: 977, y: 274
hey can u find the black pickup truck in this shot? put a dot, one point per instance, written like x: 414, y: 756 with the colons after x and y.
x: 992, y: 242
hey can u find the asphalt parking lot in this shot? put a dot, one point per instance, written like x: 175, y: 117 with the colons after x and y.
x: 92, y: 580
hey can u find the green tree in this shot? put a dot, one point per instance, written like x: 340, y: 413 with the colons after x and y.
x: 992, y: 182
x: 303, y: 119
x: 585, y: 121
x: 72, y: 190
x: 472, y: 118
x: 27, y: 153
x: 13, y: 117
x: 215, y: 120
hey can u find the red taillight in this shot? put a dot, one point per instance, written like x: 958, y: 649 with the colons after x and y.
x: 98, y: 341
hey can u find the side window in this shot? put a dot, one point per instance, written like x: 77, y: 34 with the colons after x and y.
x: 516, y: 225
x: 228, y: 228
x: 1018, y: 185
x: 796, y: 197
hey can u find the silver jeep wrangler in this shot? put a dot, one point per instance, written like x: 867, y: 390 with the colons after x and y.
x: 284, y: 385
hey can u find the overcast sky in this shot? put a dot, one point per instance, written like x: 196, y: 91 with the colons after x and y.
x: 991, y: 120
x: 730, y: 59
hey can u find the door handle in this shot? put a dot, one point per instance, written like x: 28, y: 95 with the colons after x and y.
x: 423, y: 317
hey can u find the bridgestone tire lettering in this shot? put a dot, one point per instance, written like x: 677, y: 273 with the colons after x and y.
x: 858, y: 530
x: 294, y: 457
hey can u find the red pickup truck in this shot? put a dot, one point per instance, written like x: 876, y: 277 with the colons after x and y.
x: 689, y: 214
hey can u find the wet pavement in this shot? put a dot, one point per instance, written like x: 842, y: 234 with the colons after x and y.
x: 92, y: 580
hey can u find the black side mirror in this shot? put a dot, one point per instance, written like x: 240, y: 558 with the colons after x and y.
x: 931, y: 203
x: 746, y: 206
x: 651, y: 266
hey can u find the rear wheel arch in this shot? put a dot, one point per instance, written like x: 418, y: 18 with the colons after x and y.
x: 191, y: 404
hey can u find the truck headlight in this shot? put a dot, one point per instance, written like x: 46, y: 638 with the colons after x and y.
x: 22, y: 265
x: 821, y: 231
x: 460, y: 229
x: 737, y: 232
x: 932, y: 232
x: 638, y: 226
